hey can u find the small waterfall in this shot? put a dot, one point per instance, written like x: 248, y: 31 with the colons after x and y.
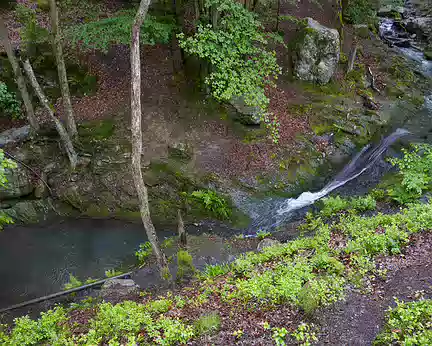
x: 358, y: 165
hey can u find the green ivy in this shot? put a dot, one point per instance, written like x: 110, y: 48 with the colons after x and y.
x: 5, y: 164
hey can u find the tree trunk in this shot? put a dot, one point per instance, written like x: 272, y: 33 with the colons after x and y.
x: 61, y: 68
x: 352, y: 56
x: 137, y: 137
x: 278, y: 15
x: 4, y: 36
x: 64, y: 136
x: 181, y: 229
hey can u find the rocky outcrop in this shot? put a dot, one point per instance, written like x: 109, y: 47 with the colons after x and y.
x: 116, y: 290
x: 317, y: 53
x: 19, y: 184
x: 267, y: 242
x: 14, y: 135
x: 421, y: 26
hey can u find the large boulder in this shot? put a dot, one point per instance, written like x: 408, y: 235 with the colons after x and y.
x: 19, y: 183
x: 14, y: 135
x: 267, y: 242
x: 317, y: 53
x: 421, y: 26
x: 116, y: 290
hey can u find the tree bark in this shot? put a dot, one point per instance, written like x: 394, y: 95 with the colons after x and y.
x: 61, y: 68
x: 64, y: 136
x: 181, y: 229
x: 22, y: 87
x: 137, y: 137
x: 352, y: 56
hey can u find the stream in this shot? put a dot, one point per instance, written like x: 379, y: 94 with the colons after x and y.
x: 37, y: 260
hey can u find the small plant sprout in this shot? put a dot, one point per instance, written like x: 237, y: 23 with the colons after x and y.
x: 261, y: 234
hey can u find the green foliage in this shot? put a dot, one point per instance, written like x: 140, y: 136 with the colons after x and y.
x: 212, y: 271
x: 74, y: 282
x: 279, y: 335
x: 305, y: 334
x: 5, y: 164
x: 144, y: 252
x: 359, y: 11
x: 236, y: 49
x: 184, y: 264
x: 261, y: 234
x: 102, y: 34
x: 415, y: 169
x: 9, y: 105
x: 207, y: 324
x: 48, y: 329
x: 334, y: 205
x: 212, y: 202
x: 126, y: 320
x: 110, y: 273
x: 31, y: 32
x: 408, y: 324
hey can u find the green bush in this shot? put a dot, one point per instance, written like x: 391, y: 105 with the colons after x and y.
x: 184, y: 264
x: 334, y: 205
x: 102, y: 34
x: 9, y: 105
x: 207, y: 324
x: 210, y: 201
x: 144, y: 252
x: 360, y: 11
x: 408, y: 324
x: 415, y: 170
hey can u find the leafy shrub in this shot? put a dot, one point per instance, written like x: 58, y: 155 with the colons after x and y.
x: 207, y: 323
x: 125, y: 320
x: 408, y: 324
x: 334, y: 205
x: 213, y: 203
x: 305, y: 334
x: 5, y: 164
x: 241, y: 64
x: 103, y: 33
x: 49, y: 328
x: 360, y: 11
x: 184, y: 264
x: 9, y: 105
x: 261, y: 234
x: 415, y: 169
x: 144, y: 252
x: 110, y: 273
x: 31, y: 32
x: 159, y: 306
x: 74, y: 282
x: 212, y: 271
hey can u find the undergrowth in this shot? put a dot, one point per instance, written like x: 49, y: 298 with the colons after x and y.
x: 308, y: 272
x: 408, y: 324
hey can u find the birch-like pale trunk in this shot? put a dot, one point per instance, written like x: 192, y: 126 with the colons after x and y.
x: 64, y: 136
x: 22, y: 87
x: 61, y: 69
x: 352, y: 56
x: 137, y: 138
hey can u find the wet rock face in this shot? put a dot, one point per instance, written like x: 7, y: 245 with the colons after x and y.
x: 19, y: 184
x: 421, y: 26
x: 317, y: 53
x: 116, y: 290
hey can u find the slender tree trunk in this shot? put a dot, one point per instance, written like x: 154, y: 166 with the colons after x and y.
x: 278, y: 14
x: 4, y: 36
x: 181, y: 229
x: 137, y: 137
x: 352, y: 56
x: 64, y: 136
x: 61, y: 68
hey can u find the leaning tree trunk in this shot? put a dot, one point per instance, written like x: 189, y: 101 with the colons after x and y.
x: 137, y: 138
x: 61, y: 68
x: 353, y: 55
x: 4, y: 36
x: 64, y: 136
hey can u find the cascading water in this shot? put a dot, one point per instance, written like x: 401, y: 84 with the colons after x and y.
x: 358, y: 165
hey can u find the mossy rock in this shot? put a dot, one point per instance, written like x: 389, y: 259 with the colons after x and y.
x: 428, y: 53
